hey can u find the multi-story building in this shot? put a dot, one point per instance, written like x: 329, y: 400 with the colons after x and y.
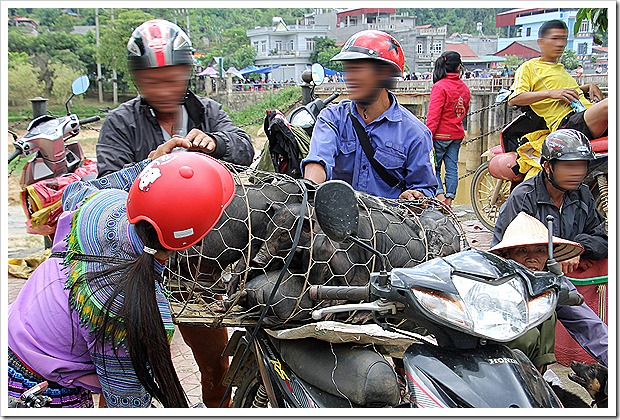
x: 523, y: 25
x: 422, y: 45
x: 289, y: 46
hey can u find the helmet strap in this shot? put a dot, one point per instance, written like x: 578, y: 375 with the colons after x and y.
x: 551, y: 178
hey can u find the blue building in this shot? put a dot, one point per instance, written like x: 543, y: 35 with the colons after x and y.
x: 523, y: 25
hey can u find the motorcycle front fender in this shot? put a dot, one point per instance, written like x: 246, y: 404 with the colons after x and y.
x: 488, y: 376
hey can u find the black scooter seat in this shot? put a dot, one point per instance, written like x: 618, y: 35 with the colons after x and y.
x: 361, y: 374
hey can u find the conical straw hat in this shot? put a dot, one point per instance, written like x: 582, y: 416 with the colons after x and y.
x: 526, y: 230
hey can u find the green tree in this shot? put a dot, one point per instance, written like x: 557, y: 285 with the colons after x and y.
x: 62, y: 78
x: 324, y: 49
x: 569, y: 59
x: 24, y: 83
x: 513, y: 61
x: 598, y: 17
x: 112, y: 51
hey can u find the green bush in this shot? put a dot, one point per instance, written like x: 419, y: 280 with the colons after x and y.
x: 282, y: 99
x: 24, y: 84
x: 63, y: 77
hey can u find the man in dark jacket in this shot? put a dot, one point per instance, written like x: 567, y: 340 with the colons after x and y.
x: 161, y: 62
x: 558, y: 191
x: 166, y: 107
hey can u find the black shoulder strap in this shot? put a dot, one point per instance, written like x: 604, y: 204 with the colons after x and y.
x: 388, y: 178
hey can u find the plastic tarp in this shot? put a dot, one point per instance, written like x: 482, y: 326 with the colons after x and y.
x: 258, y: 70
x: 232, y: 70
x: 209, y: 71
x: 330, y: 72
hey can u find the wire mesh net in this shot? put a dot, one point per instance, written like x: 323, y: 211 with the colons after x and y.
x: 227, y: 278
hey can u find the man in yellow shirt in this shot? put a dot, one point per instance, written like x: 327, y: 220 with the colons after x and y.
x: 545, y: 85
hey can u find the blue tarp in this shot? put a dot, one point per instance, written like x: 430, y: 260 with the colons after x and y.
x: 258, y: 70
x: 330, y: 72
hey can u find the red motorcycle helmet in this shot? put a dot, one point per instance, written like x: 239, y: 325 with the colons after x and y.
x: 182, y: 195
x: 158, y: 43
x: 376, y: 45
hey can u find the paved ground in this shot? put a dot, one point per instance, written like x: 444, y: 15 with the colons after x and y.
x: 478, y: 236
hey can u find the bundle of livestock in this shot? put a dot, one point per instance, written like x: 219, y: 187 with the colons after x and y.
x: 227, y: 278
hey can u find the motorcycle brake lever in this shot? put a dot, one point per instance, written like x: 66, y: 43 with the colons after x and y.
x: 377, y: 306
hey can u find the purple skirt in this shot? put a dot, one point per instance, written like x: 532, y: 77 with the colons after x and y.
x: 22, y: 378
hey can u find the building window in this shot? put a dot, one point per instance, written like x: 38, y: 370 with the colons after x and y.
x: 528, y: 31
x: 291, y: 45
x: 582, y: 49
x: 420, y: 48
x: 255, y: 43
x: 436, y: 48
x: 309, y: 44
x: 278, y: 45
x: 585, y: 26
x: 263, y: 46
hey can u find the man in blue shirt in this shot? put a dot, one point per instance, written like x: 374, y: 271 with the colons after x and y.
x: 402, y: 144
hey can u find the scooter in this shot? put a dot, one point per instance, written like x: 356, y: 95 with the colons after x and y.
x: 495, y: 179
x: 52, y: 160
x: 470, y: 302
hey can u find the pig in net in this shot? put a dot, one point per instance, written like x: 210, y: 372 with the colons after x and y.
x: 227, y: 278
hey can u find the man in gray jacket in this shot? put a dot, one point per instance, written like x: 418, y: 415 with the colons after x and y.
x: 161, y: 62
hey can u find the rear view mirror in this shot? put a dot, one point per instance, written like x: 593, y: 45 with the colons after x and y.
x: 318, y: 74
x: 502, y: 95
x: 80, y: 85
x: 336, y: 210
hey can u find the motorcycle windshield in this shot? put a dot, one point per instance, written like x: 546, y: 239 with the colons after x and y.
x: 489, y: 376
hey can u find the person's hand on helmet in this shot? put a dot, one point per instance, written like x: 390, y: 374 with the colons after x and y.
x: 167, y: 147
x: 202, y: 141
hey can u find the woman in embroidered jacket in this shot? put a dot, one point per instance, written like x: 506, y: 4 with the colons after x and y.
x: 93, y: 317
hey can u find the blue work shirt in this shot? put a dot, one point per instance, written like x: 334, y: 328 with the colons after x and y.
x: 402, y: 144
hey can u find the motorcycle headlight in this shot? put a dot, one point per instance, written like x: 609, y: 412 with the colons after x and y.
x: 498, y: 312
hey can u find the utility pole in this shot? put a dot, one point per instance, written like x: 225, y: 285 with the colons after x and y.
x: 187, y: 20
x: 99, y: 81
x: 114, y: 76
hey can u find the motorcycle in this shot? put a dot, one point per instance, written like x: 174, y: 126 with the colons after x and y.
x: 491, y: 187
x: 289, y: 137
x: 54, y: 163
x: 470, y: 302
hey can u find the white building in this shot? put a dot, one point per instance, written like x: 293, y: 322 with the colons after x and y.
x: 289, y: 46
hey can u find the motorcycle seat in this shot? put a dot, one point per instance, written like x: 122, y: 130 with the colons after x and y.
x: 360, y: 373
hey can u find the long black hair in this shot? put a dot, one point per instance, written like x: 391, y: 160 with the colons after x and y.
x: 448, y: 62
x: 139, y: 316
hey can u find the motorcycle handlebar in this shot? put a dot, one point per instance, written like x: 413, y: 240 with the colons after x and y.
x: 351, y: 293
x: 331, y: 98
x: 13, y: 155
x: 90, y: 120
x: 574, y: 299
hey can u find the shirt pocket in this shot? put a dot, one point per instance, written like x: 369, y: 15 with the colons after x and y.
x: 345, y: 161
x: 391, y: 156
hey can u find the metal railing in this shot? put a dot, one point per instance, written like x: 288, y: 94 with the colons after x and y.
x: 491, y: 84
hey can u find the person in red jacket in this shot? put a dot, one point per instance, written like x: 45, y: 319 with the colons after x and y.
x: 449, y: 105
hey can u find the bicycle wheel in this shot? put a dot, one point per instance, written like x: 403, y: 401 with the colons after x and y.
x: 487, y: 195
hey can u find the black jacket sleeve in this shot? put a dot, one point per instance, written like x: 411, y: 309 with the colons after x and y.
x: 515, y: 204
x: 594, y: 237
x: 233, y: 144
x: 114, y: 148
